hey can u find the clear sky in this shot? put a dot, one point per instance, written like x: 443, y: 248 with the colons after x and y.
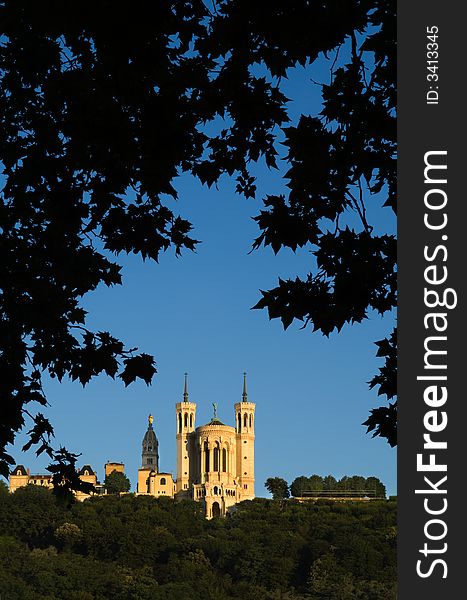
x: 194, y: 314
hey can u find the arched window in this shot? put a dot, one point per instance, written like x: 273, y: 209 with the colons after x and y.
x: 215, y: 490
x: 163, y: 481
x: 224, y: 460
x: 245, y: 421
x: 216, y: 457
x: 239, y: 422
x: 179, y: 422
x: 191, y: 421
x: 206, y: 457
x: 186, y: 419
x: 251, y: 416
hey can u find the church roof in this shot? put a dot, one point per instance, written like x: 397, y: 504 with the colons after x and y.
x: 19, y: 470
x: 150, y: 434
x: 150, y: 437
x: 86, y: 468
x: 215, y: 422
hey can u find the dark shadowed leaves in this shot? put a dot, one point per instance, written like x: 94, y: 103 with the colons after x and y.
x: 101, y: 112
x: 141, y: 366
x: 65, y: 476
x: 383, y: 422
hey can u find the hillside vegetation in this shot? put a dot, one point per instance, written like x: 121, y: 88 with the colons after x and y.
x: 150, y: 549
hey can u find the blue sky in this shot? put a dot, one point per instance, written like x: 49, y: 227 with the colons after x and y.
x: 194, y: 314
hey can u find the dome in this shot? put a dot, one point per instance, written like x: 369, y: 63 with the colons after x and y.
x: 214, y: 426
x: 150, y: 442
x: 215, y: 422
x: 150, y: 437
x: 150, y: 445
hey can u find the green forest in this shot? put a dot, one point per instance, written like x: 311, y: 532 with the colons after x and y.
x: 143, y: 548
x: 371, y: 486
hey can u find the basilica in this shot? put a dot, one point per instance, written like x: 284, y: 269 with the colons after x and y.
x: 215, y: 462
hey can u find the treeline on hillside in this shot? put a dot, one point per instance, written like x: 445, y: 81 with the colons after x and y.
x: 303, y: 485
x: 329, y: 486
x: 143, y: 548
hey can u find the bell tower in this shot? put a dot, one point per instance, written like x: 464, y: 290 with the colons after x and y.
x: 245, y: 437
x: 150, y: 448
x: 186, y: 457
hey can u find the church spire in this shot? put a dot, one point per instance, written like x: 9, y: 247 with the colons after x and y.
x: 244, y: 395
x: 185, y: 390
x: 150, y: 448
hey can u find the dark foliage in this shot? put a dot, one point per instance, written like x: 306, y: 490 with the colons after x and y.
x: 65, y: 476
x: 150, y: 549
x: 117, y: 482
x: 303, y: 485
x: 103, y: 108
x: 342, y: 162
x: 278, y: 487
x: 383, y: 420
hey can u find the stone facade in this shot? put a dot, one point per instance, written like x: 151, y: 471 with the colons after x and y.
x: 151, y: 481
x: 20, y: 477
x: 156, y: 484
x: 215, y: 462
x: 110, y: 467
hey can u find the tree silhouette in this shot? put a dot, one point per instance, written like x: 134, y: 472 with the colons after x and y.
x: 303, y: 485
x: 341, y: 161
x: 278, y: 487
x: 117, y: 482
x: 103, y: 108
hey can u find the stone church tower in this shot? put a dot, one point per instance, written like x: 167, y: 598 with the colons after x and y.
x: 245, y: 438
x: 150, y: 480
x: 215, y: 462
x: 150, y: 446
x: 186, y: 464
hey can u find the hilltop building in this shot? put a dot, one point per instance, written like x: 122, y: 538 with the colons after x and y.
x: 150, y: 480
x: 20, y: 476
x: 215, y: 462
x: 110, y: 467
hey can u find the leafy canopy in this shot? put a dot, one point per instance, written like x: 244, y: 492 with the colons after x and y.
x: 117, y: 482
x: 304, y: 485
x: 103, y: 108
x: 157, y: 549
x: 278, y: 487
